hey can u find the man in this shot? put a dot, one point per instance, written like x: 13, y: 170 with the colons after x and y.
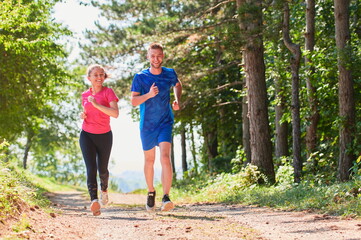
x: 151, y: 90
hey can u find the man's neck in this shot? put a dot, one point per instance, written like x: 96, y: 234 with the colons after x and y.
x: 155, y: 71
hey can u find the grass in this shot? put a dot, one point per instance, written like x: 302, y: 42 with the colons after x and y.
x: 17, y: 191
x: 342, y: 199
x: 20, y: 189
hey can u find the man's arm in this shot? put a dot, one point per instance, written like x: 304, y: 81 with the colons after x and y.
x: 137, y: 99
x: 177, y: 95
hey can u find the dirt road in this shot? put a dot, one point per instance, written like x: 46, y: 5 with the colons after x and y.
x: 125, y: 218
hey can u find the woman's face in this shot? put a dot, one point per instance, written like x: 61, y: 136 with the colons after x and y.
x: 97, y: 77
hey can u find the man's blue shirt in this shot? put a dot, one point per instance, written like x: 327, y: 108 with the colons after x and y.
x: 156, y: 112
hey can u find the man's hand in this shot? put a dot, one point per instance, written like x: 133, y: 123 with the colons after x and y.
x: 153, y: 91
x: 175, y: 105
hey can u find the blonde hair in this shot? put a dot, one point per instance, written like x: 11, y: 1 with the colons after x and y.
x: 94, y: 66
x: 155, y: 45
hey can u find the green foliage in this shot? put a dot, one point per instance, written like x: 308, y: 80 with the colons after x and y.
x: 336, y: 199
x: 32, y: 69
x: 20, y: 189
x: 22, y: 225
x: 200, y: 43
x: 38, y: 114
x: 239, y: 160
x: 203, y: 42
x: 17, y: 191
x: 284, y: 173
x: 356, y: 168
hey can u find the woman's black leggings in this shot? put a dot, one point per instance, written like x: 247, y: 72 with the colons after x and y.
x: 96, y: 152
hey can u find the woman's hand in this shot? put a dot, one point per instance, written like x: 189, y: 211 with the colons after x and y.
x: 83, y: 115
x: 92, y: 99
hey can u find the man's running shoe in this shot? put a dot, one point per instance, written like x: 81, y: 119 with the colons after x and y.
x: 95, y: 207
x: 166, y: 203
x: 104, y: 199
x: 150, y: 206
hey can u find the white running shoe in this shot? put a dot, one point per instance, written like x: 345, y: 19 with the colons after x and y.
x: 150, y: 205
x: 104, y: 198
x: 95, y: 207
x: 167, y: 204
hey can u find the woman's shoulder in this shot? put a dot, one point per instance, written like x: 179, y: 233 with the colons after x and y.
x: 109, y: 90
x: 86, y: 92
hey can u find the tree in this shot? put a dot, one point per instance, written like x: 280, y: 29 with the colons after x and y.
x: 346, y: 92
x: 38, y: 113
x: 32, y: 69
x: 296, y: 121
x: 250, y: 17
x: 199, y: 38
x: 311, y: 132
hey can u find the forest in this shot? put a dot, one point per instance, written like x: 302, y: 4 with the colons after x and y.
x: 273, y: 85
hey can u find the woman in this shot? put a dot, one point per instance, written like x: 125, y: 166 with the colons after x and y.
x: 96, y: 138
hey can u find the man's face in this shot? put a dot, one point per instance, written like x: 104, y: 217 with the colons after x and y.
x: 155, y: 57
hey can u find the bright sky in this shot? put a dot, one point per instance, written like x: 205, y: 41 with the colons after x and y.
x: 127, y: 152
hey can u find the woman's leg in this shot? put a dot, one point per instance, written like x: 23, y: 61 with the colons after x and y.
x: 104, y: 144
x: 88, y: 149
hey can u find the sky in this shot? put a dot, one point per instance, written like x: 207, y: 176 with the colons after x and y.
x: 127, y: 153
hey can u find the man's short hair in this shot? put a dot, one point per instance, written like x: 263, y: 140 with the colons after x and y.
x: 155, y: 45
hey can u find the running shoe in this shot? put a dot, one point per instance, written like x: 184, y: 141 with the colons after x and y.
x: 166, y: 203
x: 95, y: 207
x: 150, y: 206
x: 104, y: 199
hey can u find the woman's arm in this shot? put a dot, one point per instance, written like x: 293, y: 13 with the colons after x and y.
x: 112, y: 111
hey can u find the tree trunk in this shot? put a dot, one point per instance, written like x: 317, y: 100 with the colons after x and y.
x: 245, y: 125
x: 281, y: 137
x: 29, y: 141
x: 260, y: 137
x: 211, y: 143
x: 193, y: 150
x: 345, y: 91
x: 296, y: 122
x: 314, y: 117
x: 184, y: 151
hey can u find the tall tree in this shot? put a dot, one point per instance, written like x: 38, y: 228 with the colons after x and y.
x: 250, y: 17
x: 345, y: 89
x: 199, y: 38
x: 245, y: 125
x: 314, y: 116
x: 281, y: 138
x: 32, y: 63
x: 295, y: 66
x: 184, y: 150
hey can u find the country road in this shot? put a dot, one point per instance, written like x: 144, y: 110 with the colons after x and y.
x: 125, y: 218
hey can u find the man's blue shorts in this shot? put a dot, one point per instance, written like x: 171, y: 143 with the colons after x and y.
x: 150, y: 139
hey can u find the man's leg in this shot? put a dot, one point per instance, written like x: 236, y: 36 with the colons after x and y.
x: 167, y: 175
x: 167, y: 172
x: 149, y: 158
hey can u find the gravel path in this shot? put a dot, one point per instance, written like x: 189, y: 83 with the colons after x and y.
x: 125, y: 218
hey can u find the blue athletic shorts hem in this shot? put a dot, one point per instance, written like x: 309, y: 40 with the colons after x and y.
x: 150, y: 139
